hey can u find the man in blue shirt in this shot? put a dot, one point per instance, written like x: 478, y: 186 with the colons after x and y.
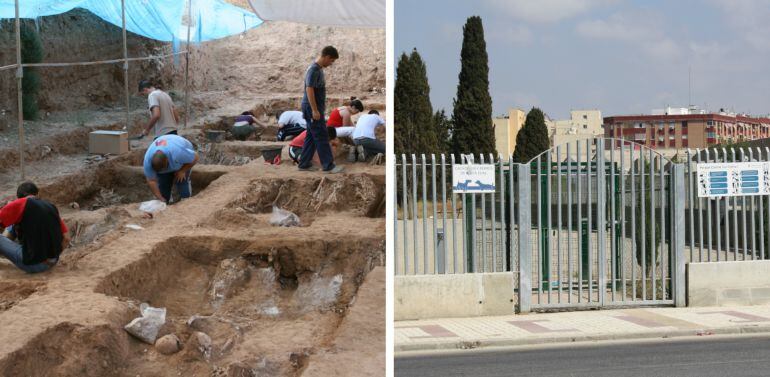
x: 313, y: 108
x: 167, y: 162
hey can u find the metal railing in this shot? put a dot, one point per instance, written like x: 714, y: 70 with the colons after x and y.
x: 726, y: 228
x: 440, y: 232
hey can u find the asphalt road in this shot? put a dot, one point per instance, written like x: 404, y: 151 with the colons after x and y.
x: 701, y: 357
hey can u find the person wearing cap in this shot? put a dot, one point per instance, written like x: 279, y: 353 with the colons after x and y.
x: 163, y: 114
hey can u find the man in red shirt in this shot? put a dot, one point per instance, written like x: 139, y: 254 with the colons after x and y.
x: 295, y: 147
x: 41, y: 233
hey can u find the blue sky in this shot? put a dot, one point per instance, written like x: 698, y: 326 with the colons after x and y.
x: 620, y: 56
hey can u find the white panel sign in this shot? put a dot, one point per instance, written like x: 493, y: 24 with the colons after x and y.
x: 733, y: 179
x: 473, y: 178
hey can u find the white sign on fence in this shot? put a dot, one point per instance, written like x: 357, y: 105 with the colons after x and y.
x: 473, y: 178
x: 733, y: 179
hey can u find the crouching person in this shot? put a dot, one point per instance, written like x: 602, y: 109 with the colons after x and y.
x: 168, y: 162
x: 40, y: 232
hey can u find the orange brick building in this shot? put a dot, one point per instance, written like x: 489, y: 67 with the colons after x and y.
x: 686, y: 131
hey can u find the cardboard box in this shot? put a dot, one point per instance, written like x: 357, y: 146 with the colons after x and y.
x: 108, y: 142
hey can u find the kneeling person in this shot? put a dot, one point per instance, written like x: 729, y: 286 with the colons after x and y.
x: 364, y: 135
x: 295, y: 147
x: 41, y: 233
x: 168, y: 162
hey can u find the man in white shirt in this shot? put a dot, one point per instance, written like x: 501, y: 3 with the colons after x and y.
x: 290, y: 123
x: 163, y: 115
x: 364, y: 137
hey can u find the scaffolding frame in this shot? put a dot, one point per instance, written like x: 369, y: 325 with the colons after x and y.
x: 19, y: 66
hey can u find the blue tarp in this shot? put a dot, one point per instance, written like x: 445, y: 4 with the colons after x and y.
x: 156, y: 19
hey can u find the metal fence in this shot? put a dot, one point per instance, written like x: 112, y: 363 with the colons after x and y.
x: 726, y: 228
x: 440, y: 232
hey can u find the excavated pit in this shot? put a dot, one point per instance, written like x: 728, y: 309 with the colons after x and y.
x: 233, y: 153
x: 15, y: 291
x: 266, y: 305
x: 111, y: 185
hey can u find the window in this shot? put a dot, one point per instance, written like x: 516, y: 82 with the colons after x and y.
x: 585, y: 126
x: 671, y: 137
x: 710, y: 123
x: 684, y: 137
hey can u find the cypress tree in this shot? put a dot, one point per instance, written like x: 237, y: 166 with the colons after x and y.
x: 532, y: 139
x: 31, y: 52
x: 443, y: 128
x: 473, y: 131
x: 413, y: 113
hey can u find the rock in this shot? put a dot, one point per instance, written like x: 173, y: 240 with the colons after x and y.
x: 198, y: 346
x: 168, y: 344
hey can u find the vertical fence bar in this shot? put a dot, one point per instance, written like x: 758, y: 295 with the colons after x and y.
x: 569, y: 224
x: 494, y: 221
x: 743, y: 216
x: 643, y: 216
x: 708, y: 211
x: 525, y: 246
x: 691, y: 186
x: 590, y: 202
x: 540, y: 238
x: 622, y: 245
x: 503, y: 257
x: 634, y: 204
x: 438, y: 257
x: 677, y: 223
x: 718, y: 214
x: 752, y: 209
x: 601, y: 221
x: 612, y: 222
x: 414, y: 213
x: 454, y: 223
x: 395, y: 213
x: 483, y: 226
x: 443, y: 210
x: 425, y: 250
x: 405, y: 211
x: 653, y: 212
x: 766, y: 232
x: 514, y: 250
x: 578, y: 175
x: 663, y: 218
x: 549, y: 222
x: 735, y: 217
x: 761, y: 216
x: 558, y: 224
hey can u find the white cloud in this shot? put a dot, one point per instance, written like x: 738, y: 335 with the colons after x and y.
x: 749, y: 19
x: 546, y: 10
x: 640, y: 29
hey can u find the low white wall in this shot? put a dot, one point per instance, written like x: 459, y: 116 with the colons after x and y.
x: 728, y: 283
x: 453, y: 295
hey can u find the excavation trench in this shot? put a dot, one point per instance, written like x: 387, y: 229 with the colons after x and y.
x: 266, y: 305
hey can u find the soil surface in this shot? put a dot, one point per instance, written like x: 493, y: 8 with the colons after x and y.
x: 270, y: 300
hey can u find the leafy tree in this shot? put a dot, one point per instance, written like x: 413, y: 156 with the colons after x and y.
x: 532, y: 139
x: 31, y: 52
x: 473, y: 130
x: 413, y: 114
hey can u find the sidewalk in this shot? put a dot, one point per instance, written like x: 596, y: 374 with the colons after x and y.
x: 579, y: 326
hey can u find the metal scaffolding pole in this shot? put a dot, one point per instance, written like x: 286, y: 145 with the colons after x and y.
x: 19, y: 75
x: 187, y: 66
x: 125, y: 66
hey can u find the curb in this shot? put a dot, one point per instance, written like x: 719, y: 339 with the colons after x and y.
x: 469, y: 344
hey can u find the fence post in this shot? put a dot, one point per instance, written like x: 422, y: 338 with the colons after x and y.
x: 524, y: 220
x: 601, y: 219
x: 677, y: 232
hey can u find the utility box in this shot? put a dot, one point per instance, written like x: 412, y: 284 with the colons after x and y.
x: 108, y: 142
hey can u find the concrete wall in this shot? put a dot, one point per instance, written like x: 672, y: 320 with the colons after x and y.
x: 728, y: 283
x: 461, y: 295
x: 450, y: 238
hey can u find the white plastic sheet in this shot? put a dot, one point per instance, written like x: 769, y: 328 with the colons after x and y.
x: 359, y: 13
